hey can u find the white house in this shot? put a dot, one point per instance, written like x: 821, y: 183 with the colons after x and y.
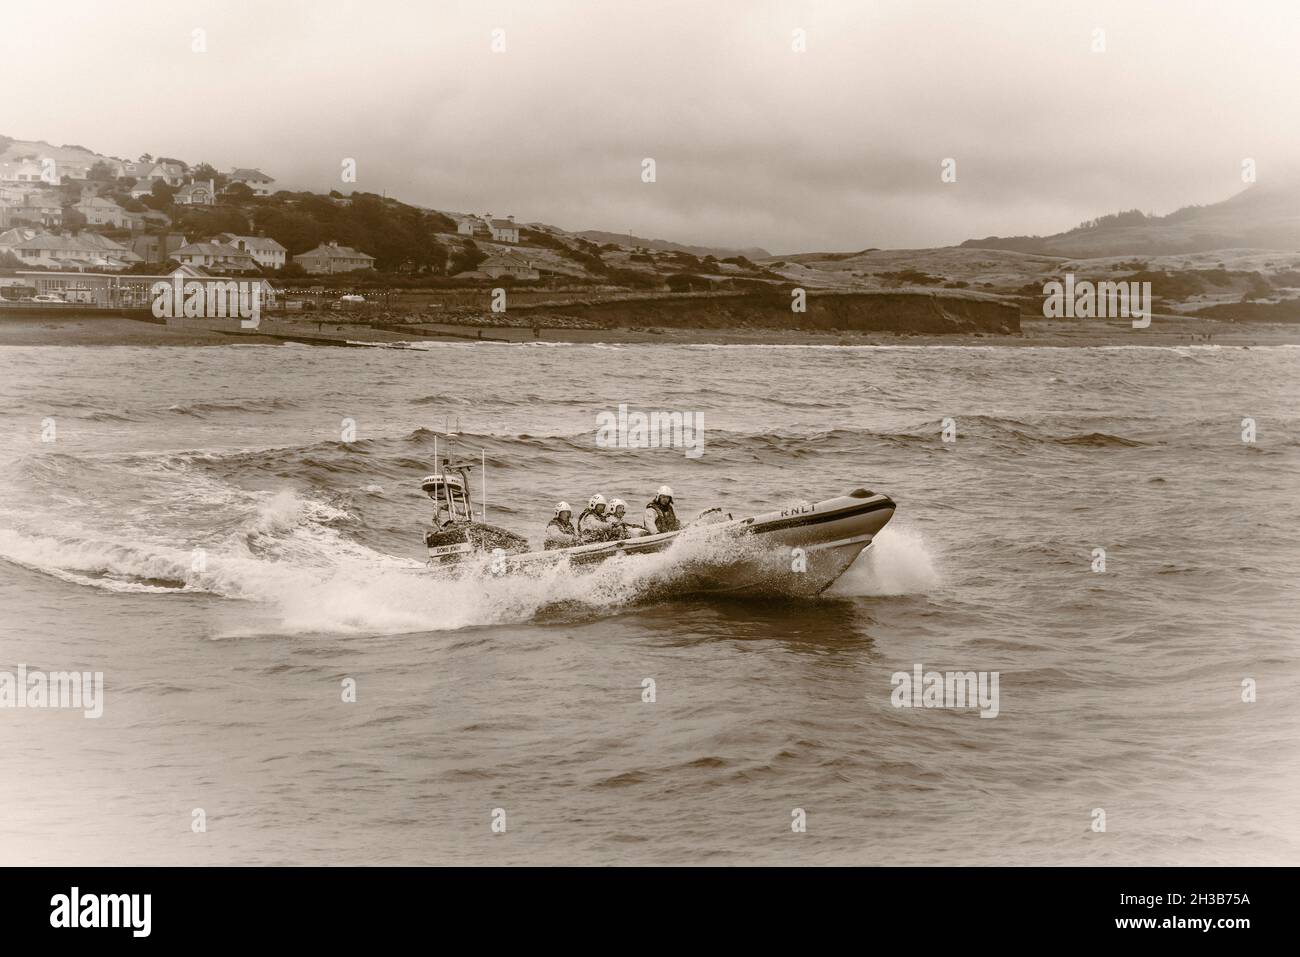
x: 265, y: 251
x: 510, y: 266
x: 29, y: 171
x: 84, y: 250
x: 331, y: 258
x: 147, y: 171
x: 504, y: 230
x: 215, y: 256
x: 138, y: 169
x: 36, y: 207
x: 254, y: 179
x: 196, y: 194
x: 101, y: 212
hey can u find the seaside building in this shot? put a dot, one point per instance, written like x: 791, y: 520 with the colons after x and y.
x: 266, y: 252
x: 109, y: 291
x: 147, y: 172
x: 138, y: 169
x: 504, y: 230
x: 101, y: 212
x: 173, y: 174
x: 79, y: 251
x: 332, y: 258
x: 73, y: 168
x: 513, y: 267
x: 215, y: 255
x: 16, y: 236
x: 196, y: 194
x: 45, y: 209
x: 22, y: 206
x: 254, y: 179
x: 157, y: 248
x: 24, y: 171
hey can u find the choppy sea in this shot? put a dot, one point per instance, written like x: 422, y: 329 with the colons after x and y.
x: 232, y: 536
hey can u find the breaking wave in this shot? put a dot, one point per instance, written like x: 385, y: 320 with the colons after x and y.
x: 899, y: 562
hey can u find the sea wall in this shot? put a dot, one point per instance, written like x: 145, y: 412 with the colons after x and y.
x: 919, y: 312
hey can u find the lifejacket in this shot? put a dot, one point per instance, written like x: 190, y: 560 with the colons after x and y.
x: 565, y: 527
x: 665, y: 517
x: 597, y: 529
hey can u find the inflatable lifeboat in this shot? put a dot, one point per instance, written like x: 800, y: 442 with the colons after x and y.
x: 799, y: 548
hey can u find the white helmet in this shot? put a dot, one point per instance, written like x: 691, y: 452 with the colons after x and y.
x: 562, y: 507
x: 616, y: 503
x: 595, y: 500
x: 664, y: 490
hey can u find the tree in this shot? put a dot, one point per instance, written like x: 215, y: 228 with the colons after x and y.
x: 437, y: 261
x: 239, y: 192
x: 73, y: 218
x: 206, y: 171
x: 210, y: 220
x: 162, y: 191
x: 467, y: 259
x: 295, y: 231
x: 102, y: 172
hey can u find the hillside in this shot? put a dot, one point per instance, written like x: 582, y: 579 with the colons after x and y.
x: 1240, y: 256
x: 1262, y: 216
x: 664, y: 245
x: 69, y: 155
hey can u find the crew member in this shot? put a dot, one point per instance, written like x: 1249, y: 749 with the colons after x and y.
x: 618, y: 520
x: 593, y: 523
x: 560, y: 532
x: 659, y: 514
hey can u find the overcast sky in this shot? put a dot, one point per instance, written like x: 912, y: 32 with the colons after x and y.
x: 835, y: 148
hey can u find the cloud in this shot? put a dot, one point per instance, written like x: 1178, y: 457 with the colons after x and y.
x: 835, y: 148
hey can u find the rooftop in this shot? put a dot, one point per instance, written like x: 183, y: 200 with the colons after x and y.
x: 334, y: 251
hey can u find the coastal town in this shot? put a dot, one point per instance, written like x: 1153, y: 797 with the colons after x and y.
x: 92, y: 231
x: 84, y: 233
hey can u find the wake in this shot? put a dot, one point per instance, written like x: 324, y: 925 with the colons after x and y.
x: 287, y: 558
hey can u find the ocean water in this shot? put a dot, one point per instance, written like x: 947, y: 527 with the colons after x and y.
x: 191, y: 523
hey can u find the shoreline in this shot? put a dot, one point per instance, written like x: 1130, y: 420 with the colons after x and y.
x: 98, y: 330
